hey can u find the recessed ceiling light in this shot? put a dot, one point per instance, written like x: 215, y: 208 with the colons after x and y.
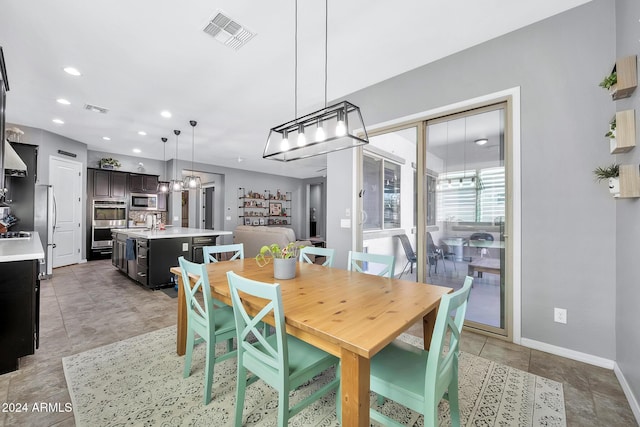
x: 63, y: 101
x: 72, y: 71
x: 143, y: 133
x: 166, y: 114
x: 57, y: 121
x: 137, y: 150
x: 481, y: 141
x: 106, y: 138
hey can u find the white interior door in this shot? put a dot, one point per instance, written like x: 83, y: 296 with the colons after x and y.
x: 66, y: 178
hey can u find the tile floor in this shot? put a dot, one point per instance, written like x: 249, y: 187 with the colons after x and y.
x: 89, y: 305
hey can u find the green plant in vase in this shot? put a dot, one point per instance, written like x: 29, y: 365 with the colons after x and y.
x: 109, y: 163
x: 612, y: 130
x: 609, y: 81
x: 274, y: 251
x: 612, y: 174
x: 611, y: 171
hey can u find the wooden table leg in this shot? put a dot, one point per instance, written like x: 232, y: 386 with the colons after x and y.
x: 181, y: 336
x: 428, y: 324
x: 354, y: 377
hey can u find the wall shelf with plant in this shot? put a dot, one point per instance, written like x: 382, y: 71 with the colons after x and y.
x: 623, y: 79
x: 623, y: 180
x: 622, y: 132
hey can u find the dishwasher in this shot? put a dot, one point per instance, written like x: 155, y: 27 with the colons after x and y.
x: 196, y: 247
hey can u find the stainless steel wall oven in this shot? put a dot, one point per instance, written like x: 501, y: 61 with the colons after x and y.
x: 107, y: 214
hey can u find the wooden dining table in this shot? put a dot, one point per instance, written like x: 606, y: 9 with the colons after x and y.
x: 348, y: 314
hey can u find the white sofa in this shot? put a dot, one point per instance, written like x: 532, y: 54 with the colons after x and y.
x: 255, y: 237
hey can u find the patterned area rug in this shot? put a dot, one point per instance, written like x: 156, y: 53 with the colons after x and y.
x: 138, y: 382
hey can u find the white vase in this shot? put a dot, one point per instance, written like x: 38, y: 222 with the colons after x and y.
x: 614, y: 186
x: 284, y: 268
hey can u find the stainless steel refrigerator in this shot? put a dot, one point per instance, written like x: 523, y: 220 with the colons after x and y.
x: 44, y: 217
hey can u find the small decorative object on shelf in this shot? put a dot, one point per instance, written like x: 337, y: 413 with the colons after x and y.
x: 275, y: 207
x: 611, y: 173
x: 109, y: 163
x: 623, y: 79
x: 622, y: 132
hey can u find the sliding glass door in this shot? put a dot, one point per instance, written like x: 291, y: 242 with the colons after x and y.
x: 466, y: 199
x: 435, y: 194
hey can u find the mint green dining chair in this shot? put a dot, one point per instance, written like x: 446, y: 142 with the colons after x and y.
x: 312, y: 250
x: 387, y: 261
x: 209, y: 252
x: 417, y: 378
x: 211, y: 325
x: 284, y: 362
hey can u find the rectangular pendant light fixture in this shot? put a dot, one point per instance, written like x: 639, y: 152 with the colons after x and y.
x: 330, y: 129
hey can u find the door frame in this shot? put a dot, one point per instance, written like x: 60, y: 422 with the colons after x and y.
x: 81, y: 218
x: 513, y: 266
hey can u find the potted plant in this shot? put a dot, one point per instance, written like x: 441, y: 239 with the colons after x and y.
x: 609, y: 82
x: 612, y: 129
x: 612, y: 174
x: 284, y: 259
x: 109, y: 163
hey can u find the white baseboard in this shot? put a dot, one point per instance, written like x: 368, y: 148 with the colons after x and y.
x: 569, y: 354
x: 633, y: 402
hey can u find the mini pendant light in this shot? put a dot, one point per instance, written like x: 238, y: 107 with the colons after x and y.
x: 176, y: 184
x: 162, y: 185
x: 192, y: 181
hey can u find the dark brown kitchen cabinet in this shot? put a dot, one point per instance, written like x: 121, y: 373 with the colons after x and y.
x: 110, y: 184
x: 143, y: 183
x: 19, y: 312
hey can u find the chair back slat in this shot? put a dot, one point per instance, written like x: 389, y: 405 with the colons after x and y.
x: 328, y: 253
x: 388, y: 261
x: 247, y: 324
x: 210, y: 252
x: 441, y: 364
x: 201, y: 313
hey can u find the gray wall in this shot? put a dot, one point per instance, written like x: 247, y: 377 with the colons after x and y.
x: 627, y: 218
x: 568, y: 221
x: 48, y: 145
x: 131, y: 164
x: 341, y: 192
x: 252, y: 181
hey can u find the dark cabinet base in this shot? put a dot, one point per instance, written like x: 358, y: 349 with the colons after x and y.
x: 19, y: 317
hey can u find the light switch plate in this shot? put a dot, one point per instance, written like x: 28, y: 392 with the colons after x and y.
x: 185, y: 247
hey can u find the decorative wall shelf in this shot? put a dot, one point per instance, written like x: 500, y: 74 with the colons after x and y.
x: 625, y: 133
x: 265, y: 208
x: 629, y: 181
x: 627, y: 73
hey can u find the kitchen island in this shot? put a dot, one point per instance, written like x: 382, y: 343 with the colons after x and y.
x: 19, y: 298
x: 147, y: 255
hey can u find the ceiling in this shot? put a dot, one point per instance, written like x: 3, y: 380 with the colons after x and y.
x: 138, y: 58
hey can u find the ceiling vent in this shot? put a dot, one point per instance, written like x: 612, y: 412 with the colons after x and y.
x: 95, y: 109
x: 227, y: 31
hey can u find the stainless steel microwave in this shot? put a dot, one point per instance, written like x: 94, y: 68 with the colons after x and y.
x: 144, y: 202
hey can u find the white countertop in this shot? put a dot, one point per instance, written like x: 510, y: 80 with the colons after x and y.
x: 170, y: 232
x: 21, y: 249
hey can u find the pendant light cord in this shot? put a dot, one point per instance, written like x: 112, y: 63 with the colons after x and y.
x: 193, y: 145
x: 175, y: 169
x: 326, y: 48
x: 295, y: 90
